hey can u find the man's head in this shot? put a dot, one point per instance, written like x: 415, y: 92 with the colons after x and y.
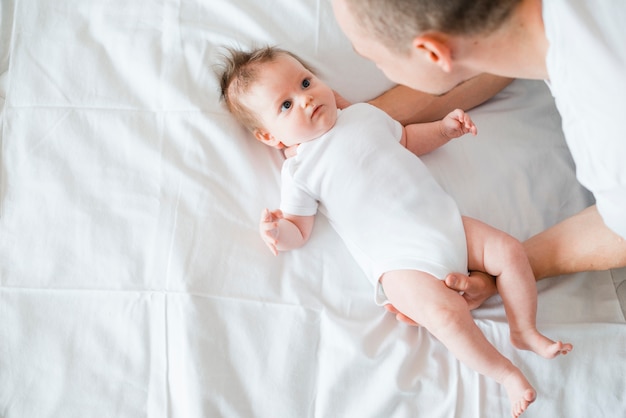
x: 414, y: 41
x: 277, y: 96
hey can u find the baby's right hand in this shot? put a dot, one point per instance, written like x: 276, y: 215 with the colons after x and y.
x: 268, y: 228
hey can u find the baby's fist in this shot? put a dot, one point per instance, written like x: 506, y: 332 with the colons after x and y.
x: 268, y: 228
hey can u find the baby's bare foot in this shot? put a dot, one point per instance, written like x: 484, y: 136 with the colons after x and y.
x: 538, y: 343
x: 520, y: 406
x: 521, y: 393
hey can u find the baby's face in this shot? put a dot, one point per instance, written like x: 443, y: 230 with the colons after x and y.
x: 292, y: 104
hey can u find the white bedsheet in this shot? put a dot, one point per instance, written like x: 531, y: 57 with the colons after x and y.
x: 133, y: 282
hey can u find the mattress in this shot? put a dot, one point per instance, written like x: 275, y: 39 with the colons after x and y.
x: 133, y: 282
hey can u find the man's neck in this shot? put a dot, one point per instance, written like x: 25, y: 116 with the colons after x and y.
x: 518, y: 49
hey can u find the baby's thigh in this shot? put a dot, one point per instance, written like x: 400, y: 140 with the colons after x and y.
x: 422, y: 297
x: 490, y: 249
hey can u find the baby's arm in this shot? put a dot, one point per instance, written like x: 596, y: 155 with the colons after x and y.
x: 422, y: 138
x: 284, y: 232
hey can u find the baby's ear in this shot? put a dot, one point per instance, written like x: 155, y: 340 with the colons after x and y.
x: 267, y: 138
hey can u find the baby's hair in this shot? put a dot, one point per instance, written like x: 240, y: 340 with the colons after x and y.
x: 240, y: 72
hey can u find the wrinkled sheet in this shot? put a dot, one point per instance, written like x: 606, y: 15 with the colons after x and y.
x: 133, y: 282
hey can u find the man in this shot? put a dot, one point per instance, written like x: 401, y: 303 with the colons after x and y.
x: 575, y: 45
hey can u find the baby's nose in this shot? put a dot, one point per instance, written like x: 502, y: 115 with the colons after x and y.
x: 306, y: 100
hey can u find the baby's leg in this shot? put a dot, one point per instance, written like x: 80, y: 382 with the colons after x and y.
x: 501, y: 255
x: 428, y: 301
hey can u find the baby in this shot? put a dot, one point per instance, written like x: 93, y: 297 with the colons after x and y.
x: 359, y: 167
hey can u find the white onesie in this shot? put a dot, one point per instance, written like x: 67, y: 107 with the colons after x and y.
x: 586, y: 63
x: 379, y: 197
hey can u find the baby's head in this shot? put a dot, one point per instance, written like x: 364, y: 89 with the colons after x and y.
x: 277, y: 96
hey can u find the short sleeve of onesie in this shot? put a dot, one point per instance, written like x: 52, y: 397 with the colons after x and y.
x: 294, y: 199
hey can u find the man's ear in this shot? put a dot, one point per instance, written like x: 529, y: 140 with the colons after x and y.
x: 434, y: 48
x: 267, y: 138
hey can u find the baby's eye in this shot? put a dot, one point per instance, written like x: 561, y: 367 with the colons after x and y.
x: 306, y: 83
x: 285, y: 106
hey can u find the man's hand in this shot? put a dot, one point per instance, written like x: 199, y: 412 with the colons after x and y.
x: 400, y: 316
x: 477, y: 288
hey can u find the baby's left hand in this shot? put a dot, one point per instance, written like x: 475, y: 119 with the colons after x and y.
x: 457, y: 123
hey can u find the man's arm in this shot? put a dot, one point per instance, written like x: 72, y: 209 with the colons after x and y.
x: 581, y: 242
x: 411, y: 106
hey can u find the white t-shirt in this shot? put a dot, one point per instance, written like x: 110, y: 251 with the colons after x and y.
x: 586, y: 64
x: 379, y: 197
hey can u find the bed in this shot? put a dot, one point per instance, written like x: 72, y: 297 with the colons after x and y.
x: 133, y: 282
